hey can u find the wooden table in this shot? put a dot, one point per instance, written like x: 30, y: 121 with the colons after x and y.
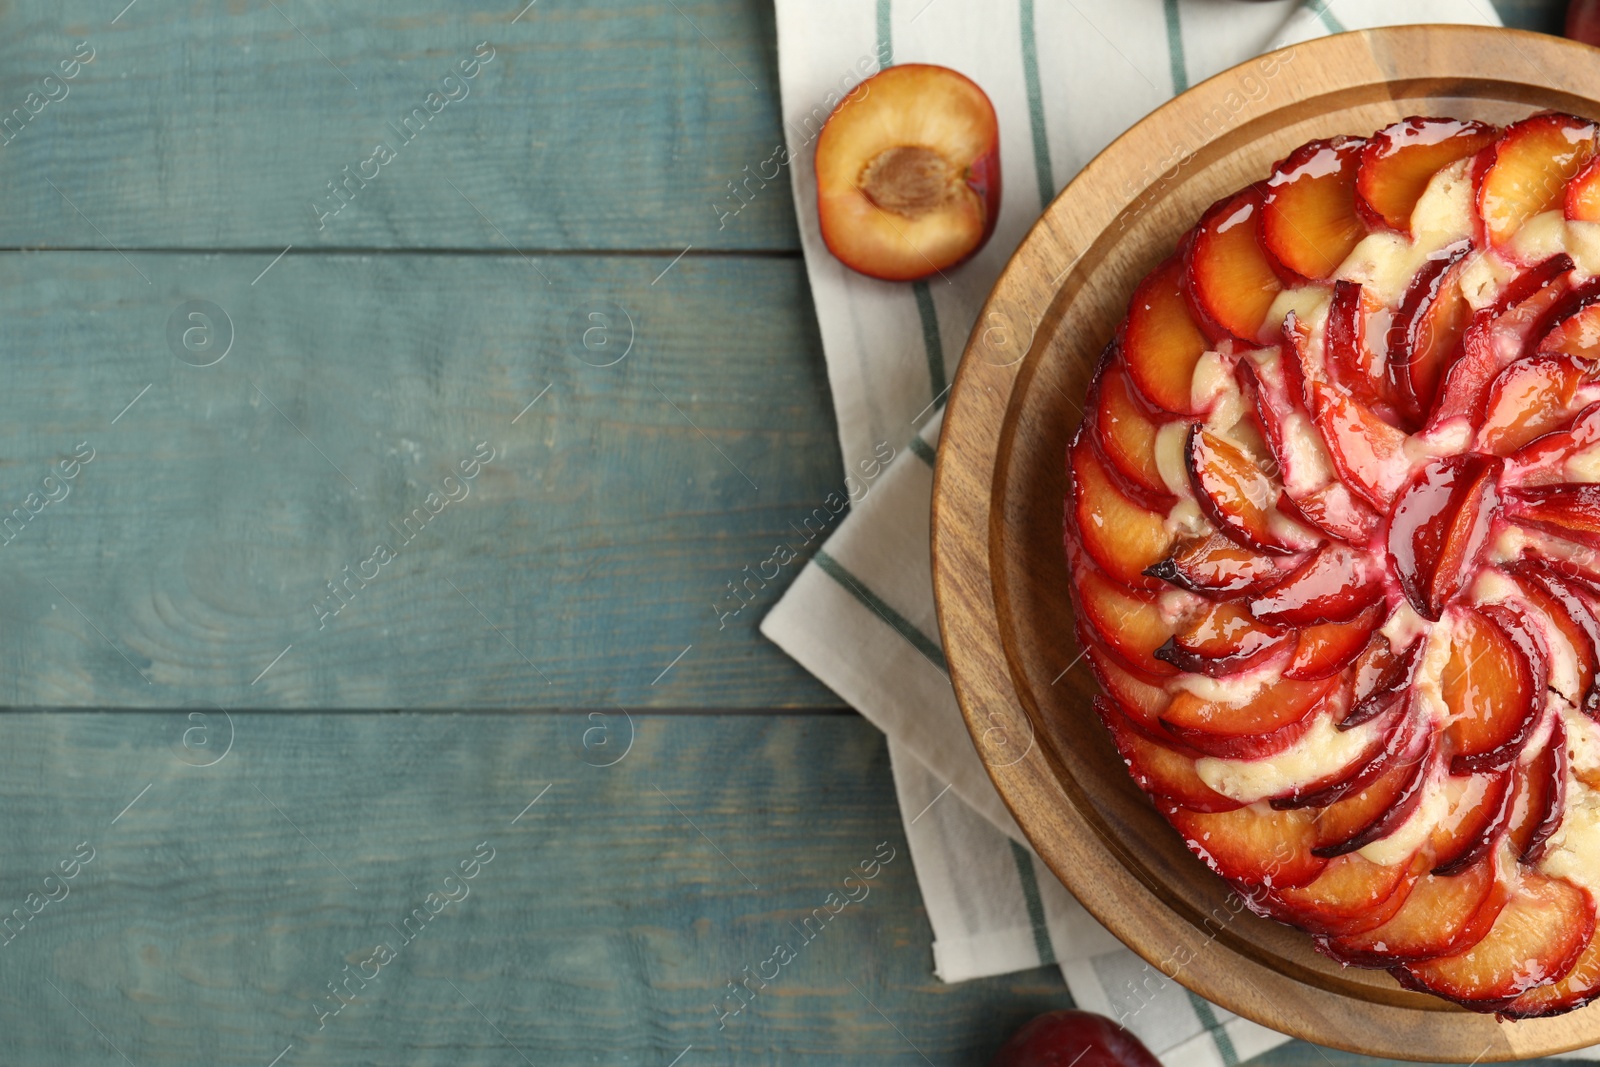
x: 251, y: 361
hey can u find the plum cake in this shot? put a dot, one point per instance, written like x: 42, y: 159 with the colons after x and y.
x: 1334, y: 534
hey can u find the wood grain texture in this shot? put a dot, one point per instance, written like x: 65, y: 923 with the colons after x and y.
x: 212, y: 914
x: 199, y: 541
x: 1000, y: 574
x: 610, y: 124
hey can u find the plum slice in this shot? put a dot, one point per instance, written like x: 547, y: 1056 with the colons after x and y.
x: 1140, y: 697
x: 1161, y: 343
x: 1582, y: 202
x: 1549, y: 592
x: 1493, y: 685
x: 1531, y: 397
x: 1127, y: 437
x: 1570, y: 510
x: 1118, y: 534
x: 1440, y: 915
x: 1426, y: 330
x: 1325, y: 648
x: 1439, y: 526
x: 1351, y: 895
x: 1308, y: 216
x: 1536, y: 939
x: 1216, y: 565
x: 1237, y: 496
x: 1231, y: 280
x: 1369, y: 453
x: 1399, y: 161
x: 1271, y: 720
x: 1574, y: 989
x: 1480, y: 810
x: 1334, y: 585
x: 1540, y: 797
x: 1224, y: 640
x: 1162, y: 769
x: 1129, y: 623
x: 1532, y: 163
x: 1253, y: 845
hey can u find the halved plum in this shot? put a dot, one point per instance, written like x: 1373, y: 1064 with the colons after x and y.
x: 1533, y: 161
x: 1399, y: 161
x: 1308, y: 216
x: 908, y: 173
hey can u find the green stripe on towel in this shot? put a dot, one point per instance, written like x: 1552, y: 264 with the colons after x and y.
x: 1030, y: 75
x: 923, y: 450
x: 1329, y: 19
x: 901, y: 625
x: 1208, y: 1018
x: 1030, y: 894
x: 1180, y: 69
x: 885, y: 38
x: 931, y: 342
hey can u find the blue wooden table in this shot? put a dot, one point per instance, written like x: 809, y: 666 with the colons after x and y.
x: 383, y: 411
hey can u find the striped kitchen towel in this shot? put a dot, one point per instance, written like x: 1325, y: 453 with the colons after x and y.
x: 1065, y: 78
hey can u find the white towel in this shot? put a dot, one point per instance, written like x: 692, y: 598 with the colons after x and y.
x: 1065, y: 78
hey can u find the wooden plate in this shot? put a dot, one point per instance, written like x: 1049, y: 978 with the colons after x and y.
x: 999, y: 572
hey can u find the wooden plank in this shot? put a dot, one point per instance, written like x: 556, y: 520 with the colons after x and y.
x: 198, y: 543
x: 610, y: 125
x: 216, y: 910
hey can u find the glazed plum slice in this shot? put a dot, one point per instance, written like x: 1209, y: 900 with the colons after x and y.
x: 1309, y: 220
x: 1399, y: 161
x: 1231, y: 278
x: 1536, y: 938
x: 1439, y: 526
